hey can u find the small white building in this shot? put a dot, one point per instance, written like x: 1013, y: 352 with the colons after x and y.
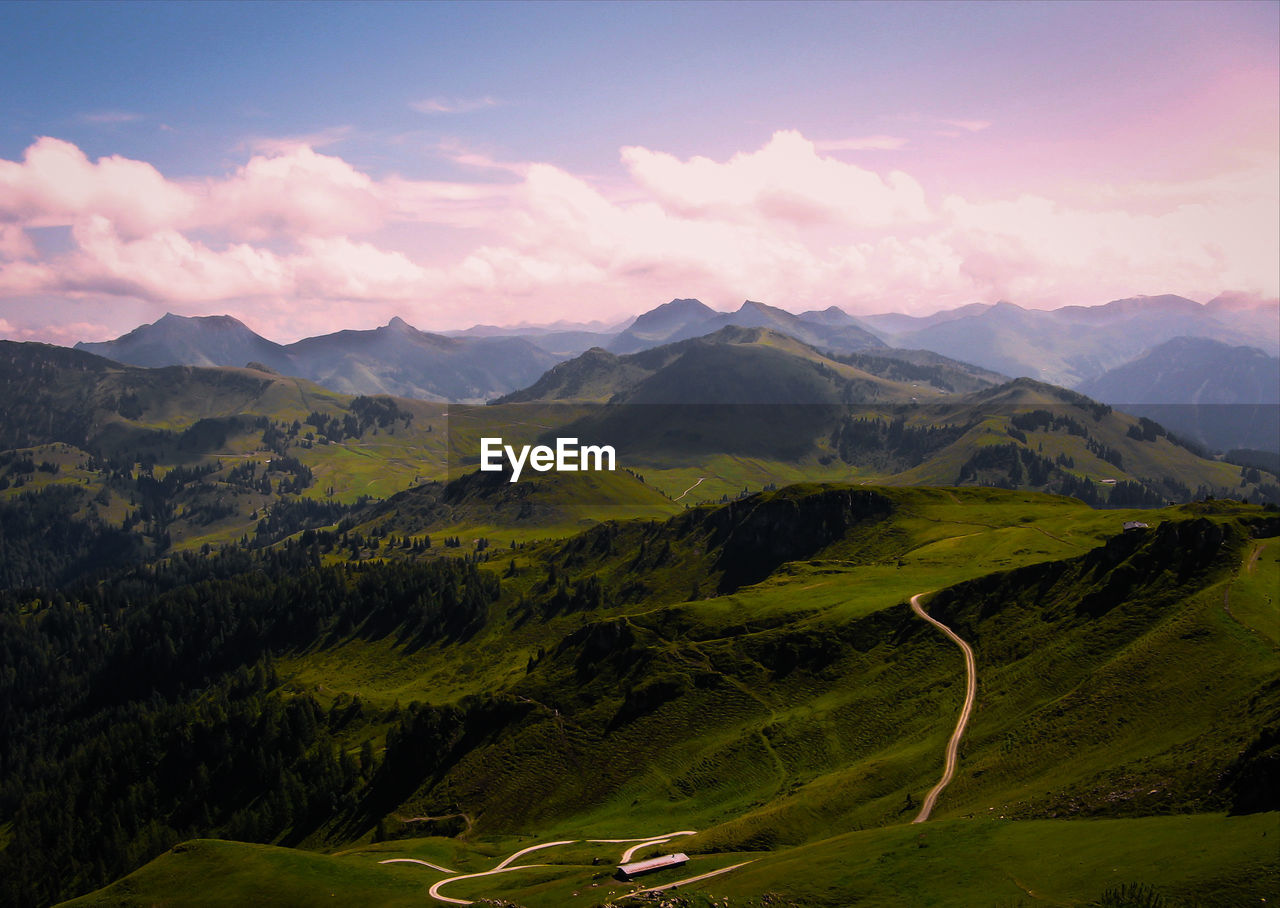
x: 639, y: 868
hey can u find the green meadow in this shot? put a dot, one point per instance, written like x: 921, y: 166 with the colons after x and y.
x: 797, y: 721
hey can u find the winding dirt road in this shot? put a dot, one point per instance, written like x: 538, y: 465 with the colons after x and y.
x: 509, y: 864
x: 692, y: 879
x: 690, y: 489
x: 970, y: 691
x: 416, y: 861
x: 504, y: 867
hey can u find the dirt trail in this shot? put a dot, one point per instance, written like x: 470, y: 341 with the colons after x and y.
x: 690, y: 489
x: 504, y: 867
x: 417, y: 861
x: 508, y: 865
x: 971, y: 689
x: 692, y: 879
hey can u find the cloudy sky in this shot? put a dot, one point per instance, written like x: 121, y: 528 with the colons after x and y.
x: 309, y: 167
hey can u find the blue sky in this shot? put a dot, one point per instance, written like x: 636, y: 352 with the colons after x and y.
x: 481, y: 149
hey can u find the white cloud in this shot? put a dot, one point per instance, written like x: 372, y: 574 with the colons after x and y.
x: 306, y: 241
x: 453, y: 105
x: 785, y: 181
x: 14, y: 243
x: 863, y: 143
x: 460, y: 154
x: 969, y: 125
x: 274, y: 145
x: 55, y: 184
x: 296, y: 193
x: 110, y: 117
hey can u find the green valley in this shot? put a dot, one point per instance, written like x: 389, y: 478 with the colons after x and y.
x: 260, y: 638
x: 765, y: 685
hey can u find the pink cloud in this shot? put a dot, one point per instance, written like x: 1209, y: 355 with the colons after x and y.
x: 453, y: 105
x: 110, y: 117
x: 788, y: 178
x: 67, y: 335
x: 863, y: 143
x: 969, y: 125
x: 273, y: 145
x: 23, y: 278
x: 55, y: 184
x: 294, y: 192
x: 14, y: 243
x: 460, y: 154
x: 337, y: 268
x: 305, y: 241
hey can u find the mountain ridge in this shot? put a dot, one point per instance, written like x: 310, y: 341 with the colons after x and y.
x: 1069, y: 346
x: 395, y: 358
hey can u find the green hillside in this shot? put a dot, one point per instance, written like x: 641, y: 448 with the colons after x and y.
x: 182, y: 458
x: 225, y: 618
x: 743, y: 365
x: 751, y: 672
x: 750, y: 408
x: 1221, y: 861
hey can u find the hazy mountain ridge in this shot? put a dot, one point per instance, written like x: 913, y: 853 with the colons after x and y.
x: 1220, y: 395
x: 683, y: 319
x: 1074, y: 344
x: 753, y: 393
x: 394, y: 359
x: 1191, y: 370
x: 881, y: 374
x: 1071, y: 346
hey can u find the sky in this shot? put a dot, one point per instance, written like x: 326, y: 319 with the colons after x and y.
x: 313, y: 167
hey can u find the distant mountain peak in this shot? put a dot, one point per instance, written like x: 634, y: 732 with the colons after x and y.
x: 684, y: 319
x: 764, y: 308
x: 170, y: 328
x: 679, y: 307
x: 399, y: 324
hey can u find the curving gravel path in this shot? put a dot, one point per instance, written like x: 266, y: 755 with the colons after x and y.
x: 970, y: 691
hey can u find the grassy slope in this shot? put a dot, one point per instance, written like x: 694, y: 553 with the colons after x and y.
x: 1225, y: 861
x: 440, y: 444
x: 1077, y: 717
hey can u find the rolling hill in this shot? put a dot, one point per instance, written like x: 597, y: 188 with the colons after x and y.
x: 751, y: 361
x: 747, y: 672
x: 188, y: 457
x: 750, y: 407
x: 211, y: 634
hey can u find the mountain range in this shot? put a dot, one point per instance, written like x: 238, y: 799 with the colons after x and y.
x: 1221, y: 395
x: 1075, y: 344
x: 735, y: 362
x: 830, y: 329
x: 395, y: 359
x: 232, y: 676
x: 1141, y: 350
